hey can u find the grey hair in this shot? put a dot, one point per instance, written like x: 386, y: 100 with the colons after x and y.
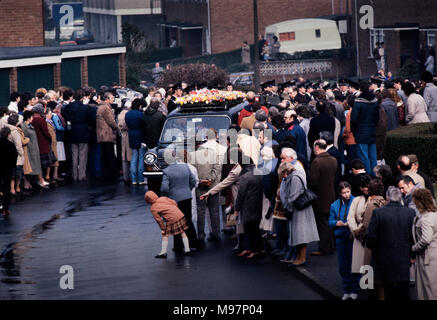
x: 273, y: 111
x: 290, y: 153
x: 394, y: 194
x: 38, y: 108
x: 261, y: 115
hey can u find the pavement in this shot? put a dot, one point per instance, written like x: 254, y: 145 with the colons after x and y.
x: 107, y: 234
x: 322, y: 272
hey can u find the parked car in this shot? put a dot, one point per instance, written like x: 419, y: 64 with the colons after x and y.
x: 82, y: 36
x: 242, y: 79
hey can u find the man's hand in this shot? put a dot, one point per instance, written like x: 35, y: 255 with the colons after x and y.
x: 340, y: 223
x: 204, y: 196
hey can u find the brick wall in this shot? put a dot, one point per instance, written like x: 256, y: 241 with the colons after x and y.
x: 122, y: 69
x: 84, y: 71
x: 232, y: 21
x: 57, y: 75
x: 21, y: 23
x: 13, y: 80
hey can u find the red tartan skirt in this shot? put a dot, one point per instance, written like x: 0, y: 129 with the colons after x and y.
x: 176, y: 228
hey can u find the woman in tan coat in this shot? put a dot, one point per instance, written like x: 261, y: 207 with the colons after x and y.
x: 376, y: 200
x: 355, y: 221
x: 126, y: 152
x: 425, y: 245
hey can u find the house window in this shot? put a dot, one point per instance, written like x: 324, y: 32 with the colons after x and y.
x: 287, y: 36
x: 430, y: 38
x: 375, y: 36
x: 318, y: 34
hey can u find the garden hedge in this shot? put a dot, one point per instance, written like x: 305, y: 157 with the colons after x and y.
x: 419, y: 139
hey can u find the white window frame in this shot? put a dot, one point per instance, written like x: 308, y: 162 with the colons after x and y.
x: 430, y: 35
x: 375, y: 35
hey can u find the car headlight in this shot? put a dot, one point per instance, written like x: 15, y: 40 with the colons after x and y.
x: 150, y: 158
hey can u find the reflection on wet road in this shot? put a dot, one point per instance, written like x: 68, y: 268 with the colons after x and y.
x: 109, y: 237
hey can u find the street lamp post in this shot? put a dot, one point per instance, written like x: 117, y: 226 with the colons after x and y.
x: 255, y: 37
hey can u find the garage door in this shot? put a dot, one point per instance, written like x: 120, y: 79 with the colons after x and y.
x: 32, y: 78
x: 103, y: 70
x: 70, y: 73
x: 4, y: 87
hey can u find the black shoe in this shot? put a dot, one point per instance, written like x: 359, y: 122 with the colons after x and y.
x: 228, y: 231
x: 213, y: 239
x: 161, y: 256
x: 188, y: 253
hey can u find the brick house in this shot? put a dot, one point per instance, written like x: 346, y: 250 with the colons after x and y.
x: 222, y: 25
x: 214, y: 26
x: 21, y: 23
x: 26, y: 64
x: 403, y: 25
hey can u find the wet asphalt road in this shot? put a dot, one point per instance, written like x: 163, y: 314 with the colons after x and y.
x: 109, y: 237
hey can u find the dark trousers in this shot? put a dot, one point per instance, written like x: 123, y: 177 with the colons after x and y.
x: 396, y: 290
x: 154, y: 184
x: 109, y: 166
x: 5, y: 182
x: 185, y: 207
x: 94, y: 160
x: 67, y: 164
x: 252, y: 240
x: 281, y: 230
x: 326, y: 243
x: 350, y: 281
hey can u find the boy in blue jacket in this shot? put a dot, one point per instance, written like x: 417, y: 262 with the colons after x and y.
x: 344, y: 242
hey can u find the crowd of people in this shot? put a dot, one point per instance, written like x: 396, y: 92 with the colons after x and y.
x: 309, y: 167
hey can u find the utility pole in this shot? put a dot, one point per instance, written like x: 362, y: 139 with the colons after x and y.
x: 256, y: 40
x: 357, y: 43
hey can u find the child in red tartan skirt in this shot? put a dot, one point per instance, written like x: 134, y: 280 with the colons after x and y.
x: 163, y: 207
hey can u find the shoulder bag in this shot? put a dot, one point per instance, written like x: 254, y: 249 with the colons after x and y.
x: 305, y: 199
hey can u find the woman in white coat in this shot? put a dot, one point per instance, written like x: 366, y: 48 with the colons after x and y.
x: 425, y: 245
x: 355, y: 220
x: 417, y: 107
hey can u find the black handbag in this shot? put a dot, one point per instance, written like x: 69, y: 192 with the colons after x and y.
x: 305, y: 199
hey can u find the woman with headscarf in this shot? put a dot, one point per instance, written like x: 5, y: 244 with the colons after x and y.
x: 33, y: 148
x: 302, y: 226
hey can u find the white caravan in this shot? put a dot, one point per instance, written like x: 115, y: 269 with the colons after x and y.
x: 305, y: 35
